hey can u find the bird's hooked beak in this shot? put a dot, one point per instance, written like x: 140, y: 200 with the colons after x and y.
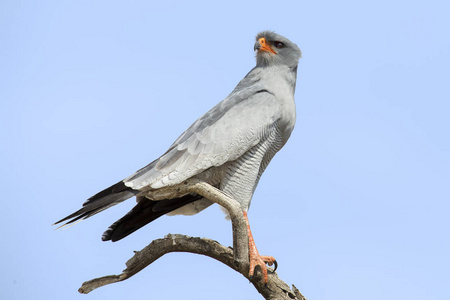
x: 262, y: 45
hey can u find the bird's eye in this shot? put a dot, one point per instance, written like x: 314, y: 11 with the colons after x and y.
x: 279, y: 45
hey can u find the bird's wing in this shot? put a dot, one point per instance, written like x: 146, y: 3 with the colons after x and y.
x: 223, y: 134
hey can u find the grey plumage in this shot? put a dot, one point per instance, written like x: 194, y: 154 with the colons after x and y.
x: 229, y: 147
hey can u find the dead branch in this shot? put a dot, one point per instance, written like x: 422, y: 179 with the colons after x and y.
x: 237, y: 259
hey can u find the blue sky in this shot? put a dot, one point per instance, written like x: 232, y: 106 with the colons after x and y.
x: 355, y: 206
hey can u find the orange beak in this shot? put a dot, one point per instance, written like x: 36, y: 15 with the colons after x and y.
x: 264, y: 46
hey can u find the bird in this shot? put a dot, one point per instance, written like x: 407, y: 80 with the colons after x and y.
x: 229, y: 147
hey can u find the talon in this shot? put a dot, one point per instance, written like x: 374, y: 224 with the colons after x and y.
x: 256, y: 259
x: 276, y: 265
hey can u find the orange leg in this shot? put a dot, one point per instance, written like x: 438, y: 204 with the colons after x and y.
x: 255, y: 258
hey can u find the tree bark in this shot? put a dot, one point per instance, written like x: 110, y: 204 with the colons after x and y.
x: 236, y: 258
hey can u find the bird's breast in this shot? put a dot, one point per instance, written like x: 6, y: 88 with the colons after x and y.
x: 281, y: 84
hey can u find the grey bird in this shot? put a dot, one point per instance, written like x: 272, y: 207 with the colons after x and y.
x: 229, y: 147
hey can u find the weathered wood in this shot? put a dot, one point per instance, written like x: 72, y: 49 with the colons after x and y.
x: 237, y: 260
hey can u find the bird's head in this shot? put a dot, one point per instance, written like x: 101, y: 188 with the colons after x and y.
x: 274, y: 49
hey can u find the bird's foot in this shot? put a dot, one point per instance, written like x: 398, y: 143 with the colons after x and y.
x: 255, y: 258
x: 261, y: 261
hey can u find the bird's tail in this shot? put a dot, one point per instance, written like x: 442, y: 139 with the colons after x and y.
x: 99, y: 202
x: 143, y: 213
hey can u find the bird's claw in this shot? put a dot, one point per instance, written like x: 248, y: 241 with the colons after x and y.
x: 261, y: 261
x: 275, y: 265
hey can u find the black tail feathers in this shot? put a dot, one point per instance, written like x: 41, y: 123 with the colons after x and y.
x: 143, y: 213
x: 101, y: 201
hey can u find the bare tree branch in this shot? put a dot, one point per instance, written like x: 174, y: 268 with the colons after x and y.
x: 237, y: 259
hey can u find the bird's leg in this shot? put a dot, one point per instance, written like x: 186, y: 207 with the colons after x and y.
x: 255, y: 258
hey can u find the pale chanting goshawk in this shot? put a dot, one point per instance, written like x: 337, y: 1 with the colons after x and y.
x: 229, y: 147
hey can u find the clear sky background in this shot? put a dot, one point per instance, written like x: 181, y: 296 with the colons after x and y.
x: 356, y: 206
